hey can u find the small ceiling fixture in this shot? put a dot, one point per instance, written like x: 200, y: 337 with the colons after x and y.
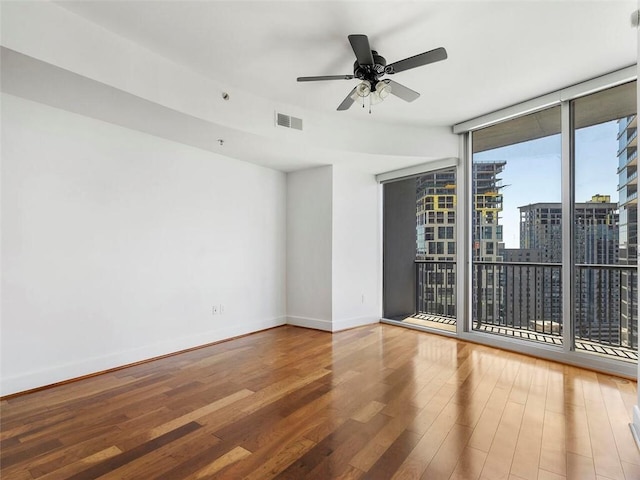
x: 220, y: 141
x: 370, y: 66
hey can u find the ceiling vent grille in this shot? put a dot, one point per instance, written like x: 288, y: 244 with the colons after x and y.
x: 288, y: 121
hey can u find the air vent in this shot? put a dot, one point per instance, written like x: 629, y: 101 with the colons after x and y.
x: 288, y: 121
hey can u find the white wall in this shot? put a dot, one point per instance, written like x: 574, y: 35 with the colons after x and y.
x: 333, y: 248
x: 309, y: 247
x: 116, y: 244
x: 356, y: 248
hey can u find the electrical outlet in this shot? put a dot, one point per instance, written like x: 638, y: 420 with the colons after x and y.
x: 214, y: 309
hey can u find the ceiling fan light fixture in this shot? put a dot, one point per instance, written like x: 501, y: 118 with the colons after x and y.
x: 383, y: 89
x: 375, y: 98
x: 364, y: 89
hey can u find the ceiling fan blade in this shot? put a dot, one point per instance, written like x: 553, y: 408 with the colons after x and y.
x: 325, y: 77
x: 417, y: 60
x: 362, y: 49
x: 405, y: 93
x: 347, y: 102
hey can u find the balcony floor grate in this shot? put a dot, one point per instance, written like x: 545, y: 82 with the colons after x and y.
x: 435, y: 318
x: 583, y: 345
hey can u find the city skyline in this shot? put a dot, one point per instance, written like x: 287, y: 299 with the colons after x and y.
x: 596, y: 172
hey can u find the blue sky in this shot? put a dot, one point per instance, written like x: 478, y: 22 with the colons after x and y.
x: 533, y: 172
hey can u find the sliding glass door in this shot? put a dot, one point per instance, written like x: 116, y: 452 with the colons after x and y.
x: 420, y: 229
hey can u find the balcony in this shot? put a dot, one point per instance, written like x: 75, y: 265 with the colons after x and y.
x: 631, y: 199
x: 629, y: 159
x: 524, y: 300
x: 628, y: 139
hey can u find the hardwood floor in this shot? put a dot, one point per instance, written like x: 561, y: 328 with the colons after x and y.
x: 377, y: 402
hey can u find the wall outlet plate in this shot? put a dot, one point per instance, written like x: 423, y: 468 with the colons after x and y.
x: 214, y: 309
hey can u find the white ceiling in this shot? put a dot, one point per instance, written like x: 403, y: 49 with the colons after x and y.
x: 500, y: 53
x: 71, y: 55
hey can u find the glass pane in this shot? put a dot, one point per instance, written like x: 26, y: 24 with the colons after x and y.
x: 436, y: 251
x: 605, y: 223
x: 517, y: 228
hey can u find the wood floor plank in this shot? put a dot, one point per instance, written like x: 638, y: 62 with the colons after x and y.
x: 369, y: 411
x: 605, y: 454
x: 578, y: 437
x: 376, y: 402
x: 526, y: 456
x: 500, y: 455
x: 553, y: 457
x: 444, y: 462
x: 382, y: 441
x: 130, y: 456
x: 232, y: 456
x: 198, y: 413
x: 631, y: 470
x: 420, y: 457
x: 390, y: 459
x: 336, y: 464
x: 470, y: 464
x: 580, y: 467
x: 314, y: 457
x: 546, y: 475
x: 487, y: 425
x: 272, y: 465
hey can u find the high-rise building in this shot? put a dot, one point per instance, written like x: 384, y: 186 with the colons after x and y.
x: 488, y: 246
x: 628, y: 201
x: 487, y: 205
x: 436, y: 234
x: 436, y: 242
x: 436, y: 216
x: 596, y: 233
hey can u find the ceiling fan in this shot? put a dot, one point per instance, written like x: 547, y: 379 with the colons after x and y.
x: 370, y: 66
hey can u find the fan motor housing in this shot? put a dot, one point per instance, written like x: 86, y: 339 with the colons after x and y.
x: 370, y: 72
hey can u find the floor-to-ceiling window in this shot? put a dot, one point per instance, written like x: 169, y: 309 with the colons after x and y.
x: 516, y: 228
x: 553, y: 218
x: 605, y: 215
x: 530, y: 243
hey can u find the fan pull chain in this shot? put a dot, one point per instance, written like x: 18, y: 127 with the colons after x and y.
x: 369, y: 104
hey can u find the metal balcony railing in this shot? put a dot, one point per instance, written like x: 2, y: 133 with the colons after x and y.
x: 524, y: 300
x: 522, y: 296
x: 528, y: 297
x: 606, y: 304
x: 436, y: 288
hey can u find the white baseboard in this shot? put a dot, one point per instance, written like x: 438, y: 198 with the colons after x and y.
x: 332, y: 326
x: 315, y: 323
x: 87, y: 366
x: 346, y: 323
